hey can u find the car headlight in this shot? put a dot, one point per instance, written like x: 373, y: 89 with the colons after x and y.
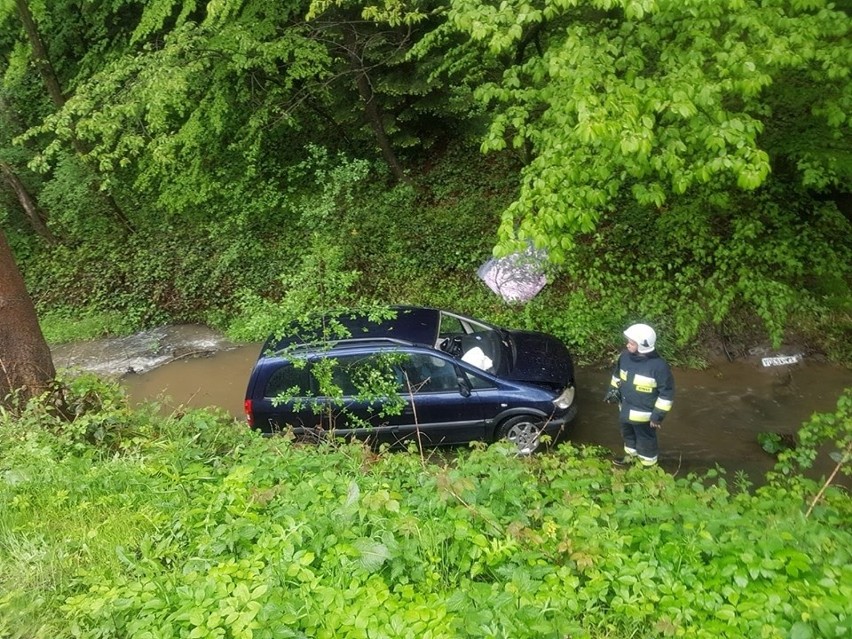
x: 566, y: 398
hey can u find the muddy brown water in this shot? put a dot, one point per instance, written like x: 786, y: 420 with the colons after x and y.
x: 717, y: 415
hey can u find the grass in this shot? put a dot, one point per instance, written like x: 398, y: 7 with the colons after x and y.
x: 61, y: 326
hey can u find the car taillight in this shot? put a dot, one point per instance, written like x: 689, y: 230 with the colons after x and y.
x: 249, y: 413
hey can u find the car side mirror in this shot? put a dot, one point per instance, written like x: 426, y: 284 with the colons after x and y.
x: 464, y: 386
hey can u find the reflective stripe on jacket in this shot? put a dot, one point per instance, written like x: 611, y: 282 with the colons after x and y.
x: 647, y: 386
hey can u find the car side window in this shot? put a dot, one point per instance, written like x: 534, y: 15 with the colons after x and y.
x: 430, y: 374
x: 289, y: 379
x: 370, y: 375
x: 450, y: 326
x: 477, y: 382
x: 335, y: 376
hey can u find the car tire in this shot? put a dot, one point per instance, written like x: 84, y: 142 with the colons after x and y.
x: 524, y: 431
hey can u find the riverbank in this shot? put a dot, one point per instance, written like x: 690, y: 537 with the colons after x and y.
x: 185, y: 525
x: 720, y: 410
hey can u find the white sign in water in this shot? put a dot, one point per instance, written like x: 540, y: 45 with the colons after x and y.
x: 782, y: 360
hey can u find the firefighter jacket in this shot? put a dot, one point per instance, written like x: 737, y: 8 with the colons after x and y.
x: 646, y: 384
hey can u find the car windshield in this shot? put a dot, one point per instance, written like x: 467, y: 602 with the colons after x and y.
x: 481, y: 345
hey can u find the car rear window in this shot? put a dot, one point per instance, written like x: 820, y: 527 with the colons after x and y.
x: 289, y: 380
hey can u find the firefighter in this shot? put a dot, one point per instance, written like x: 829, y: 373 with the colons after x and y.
x: 643, y: 386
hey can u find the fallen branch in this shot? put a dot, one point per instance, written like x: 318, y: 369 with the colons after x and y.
x: 843, y: 459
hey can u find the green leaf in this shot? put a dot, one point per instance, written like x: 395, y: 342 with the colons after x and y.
x: 372, y: 554
x: 801, y: 630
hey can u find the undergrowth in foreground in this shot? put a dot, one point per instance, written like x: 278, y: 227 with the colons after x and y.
x: 124, y: 524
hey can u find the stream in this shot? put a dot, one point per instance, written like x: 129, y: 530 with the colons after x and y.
x: 717, y: 415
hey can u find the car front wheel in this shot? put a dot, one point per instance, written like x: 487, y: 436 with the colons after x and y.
x: 523, y: 431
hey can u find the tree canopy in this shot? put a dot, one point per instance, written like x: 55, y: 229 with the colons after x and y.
x: 656, y: 98
x: 702, y: 128
x: 649, y: 98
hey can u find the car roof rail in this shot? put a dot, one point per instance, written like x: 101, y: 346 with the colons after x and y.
x: 335, y: 343
x: 367, y: 340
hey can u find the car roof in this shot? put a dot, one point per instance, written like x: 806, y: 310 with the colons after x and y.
x: 412, y: 325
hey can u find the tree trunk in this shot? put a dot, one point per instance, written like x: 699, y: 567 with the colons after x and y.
x: 371, y: 107
x: 26, y: 365
x: 37, y: 218
x: 54, y: 89
x: 40, y: 57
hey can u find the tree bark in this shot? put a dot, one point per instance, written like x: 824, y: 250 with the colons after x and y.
x: 371, y: 107
x: 54, y: 89
x: 34, y: 213
x: 26, y: 365
x: 40, y: 57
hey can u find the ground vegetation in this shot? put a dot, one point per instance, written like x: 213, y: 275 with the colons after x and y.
x: 122, y: 522
x: 238, y: 162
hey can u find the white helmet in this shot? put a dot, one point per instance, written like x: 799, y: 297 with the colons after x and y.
x: 643, y: 335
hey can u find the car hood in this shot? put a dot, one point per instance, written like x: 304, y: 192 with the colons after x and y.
x: 540, y: 358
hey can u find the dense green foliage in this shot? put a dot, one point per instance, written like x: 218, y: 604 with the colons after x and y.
x: 209, y: 162
x: 239, y: 162
x: 120, y: 523
x: 777, y: 272
x: 666, y: 96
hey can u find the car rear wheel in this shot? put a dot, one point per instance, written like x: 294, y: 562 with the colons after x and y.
x: 523, y: 431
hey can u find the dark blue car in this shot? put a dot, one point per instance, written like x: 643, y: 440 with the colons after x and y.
x: 424, y: 375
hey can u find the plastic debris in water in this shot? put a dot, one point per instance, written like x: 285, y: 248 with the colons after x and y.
x: 782, y: 360
x: 517, y: 277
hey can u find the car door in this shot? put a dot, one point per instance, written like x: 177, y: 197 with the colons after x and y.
x: 286, y: 399
x: 359, y: 393
x: 492, y: 398
x: 437, y: 408
x: 500, y: 400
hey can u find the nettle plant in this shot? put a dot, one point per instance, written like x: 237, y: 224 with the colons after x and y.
x: 272, y: 540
